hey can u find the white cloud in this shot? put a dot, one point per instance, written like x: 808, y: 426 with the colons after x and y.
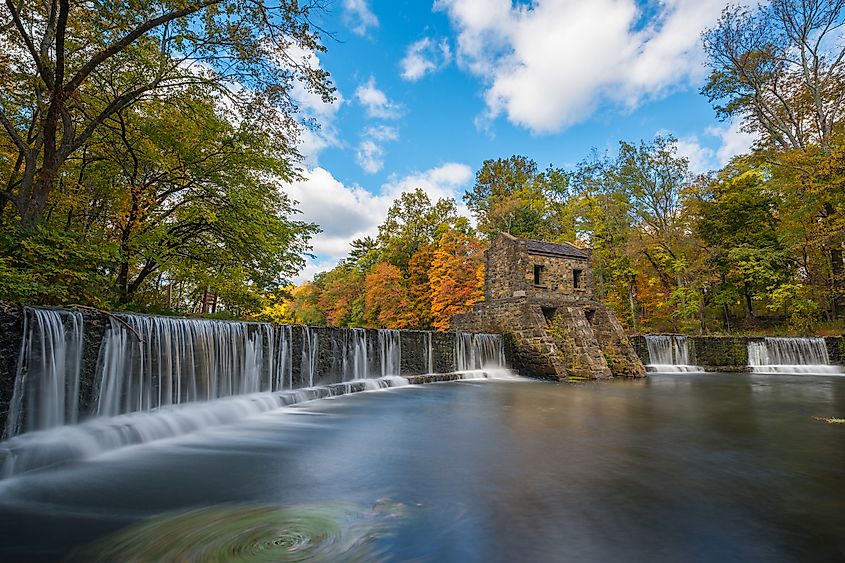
x: 550, y: 64
x: 716, y: 147
x: 346, y: 212
x: 375, y: 101
x: 370, y: 154
x: 425, y: 56
x: 701, y: 158
x: 734, y: 141
x: 358, y: 16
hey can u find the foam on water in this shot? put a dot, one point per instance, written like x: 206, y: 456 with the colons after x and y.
x: 791, y: 356
x: 669, y: 354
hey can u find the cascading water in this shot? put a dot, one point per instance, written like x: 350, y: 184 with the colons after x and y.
x: 355, y: 355
x: 46, y: 391
x: 390, y: 348
x: 668, y: 353
x: 790, y: 355
x: 96, y: 436
x: 477, y: 351
x: 150, y: 362
x: 160, y: 377
x: 284, y: 359
x: 310, y: 349
x: 464, y: 359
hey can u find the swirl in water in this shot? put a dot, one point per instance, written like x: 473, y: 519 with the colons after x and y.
x: 251, y: 533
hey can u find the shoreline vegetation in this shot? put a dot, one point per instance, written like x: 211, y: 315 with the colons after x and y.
x: 143, y: 160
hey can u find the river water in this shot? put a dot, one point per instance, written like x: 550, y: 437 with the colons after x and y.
x: 677, y: 468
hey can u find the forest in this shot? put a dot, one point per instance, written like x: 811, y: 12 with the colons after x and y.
x: 142, y: 157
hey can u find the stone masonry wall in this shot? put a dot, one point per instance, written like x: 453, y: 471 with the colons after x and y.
x: 560, y: 340
x: 504, y: 266
x: 509, y: 273
x: 557, y: 277
x: 836, y: 349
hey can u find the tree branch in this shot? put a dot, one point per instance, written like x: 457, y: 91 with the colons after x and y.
x: 130, y: 38
x: 46, y: 76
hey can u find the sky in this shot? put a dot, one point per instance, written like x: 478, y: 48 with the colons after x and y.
x: 426, y: 91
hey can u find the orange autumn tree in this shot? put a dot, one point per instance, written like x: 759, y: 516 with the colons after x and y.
x: 419, y: 288
x: 342, y: 296
x: 457, y: 276
x: 385, y: 297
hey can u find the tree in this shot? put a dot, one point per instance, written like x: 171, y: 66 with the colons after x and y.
x: 737, y: 222
x: 456, y: 277
x: 780, y: 68
x: 419, y: 288
x: 511, y: 195
x: 412, y: 221
x: 298, y: 305
x: 342, y: 294
x: 386, y: 300
x: 70, y: 66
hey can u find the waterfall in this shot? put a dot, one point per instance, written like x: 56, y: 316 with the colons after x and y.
x: 310, y: 348
x: 390, y: 352
x: 477, y: 351
x: 355, y: 355
x: 38, y: 450
x: 464, y: 360
x: 790, y: 355
x: 150, y: 362
x: 46, y: 389
x: 283, y: 375
x: 160, y: 377
x: 669, y: 353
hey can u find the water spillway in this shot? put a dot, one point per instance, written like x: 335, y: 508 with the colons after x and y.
x: 790, y: 355
x: 46, y: 382
x: 158, y: 377
x: 669, y: 353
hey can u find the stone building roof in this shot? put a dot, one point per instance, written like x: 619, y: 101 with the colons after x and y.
x: 555, y: 249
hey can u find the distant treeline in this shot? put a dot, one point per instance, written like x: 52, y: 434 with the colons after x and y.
x: 142, y: 154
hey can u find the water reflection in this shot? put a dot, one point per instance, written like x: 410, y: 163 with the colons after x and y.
x: 678, y: 468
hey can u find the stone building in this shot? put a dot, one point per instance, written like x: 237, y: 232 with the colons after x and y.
x: 540, y: 294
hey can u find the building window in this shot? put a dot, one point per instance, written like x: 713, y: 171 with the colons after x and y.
x: 576, y: 278
x: 538, y: 274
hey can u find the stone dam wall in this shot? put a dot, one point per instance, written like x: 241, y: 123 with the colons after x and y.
x: 339, y: 355
x: 730, y: 353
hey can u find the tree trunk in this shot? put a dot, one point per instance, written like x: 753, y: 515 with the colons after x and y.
x: 837, y: 282
x: 206, y: 300
x: 749, y: 307
x: 837, y: 268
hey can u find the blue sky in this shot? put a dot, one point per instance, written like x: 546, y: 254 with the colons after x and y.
x: 428, y: 91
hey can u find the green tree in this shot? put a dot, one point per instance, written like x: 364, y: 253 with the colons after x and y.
x: 737, y: 222
x: 511, y: 195
x: 780, y: 68
x: 69, y: 66
x: 412, y: 222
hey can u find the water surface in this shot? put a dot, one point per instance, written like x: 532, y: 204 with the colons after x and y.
x: 680, y: 467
